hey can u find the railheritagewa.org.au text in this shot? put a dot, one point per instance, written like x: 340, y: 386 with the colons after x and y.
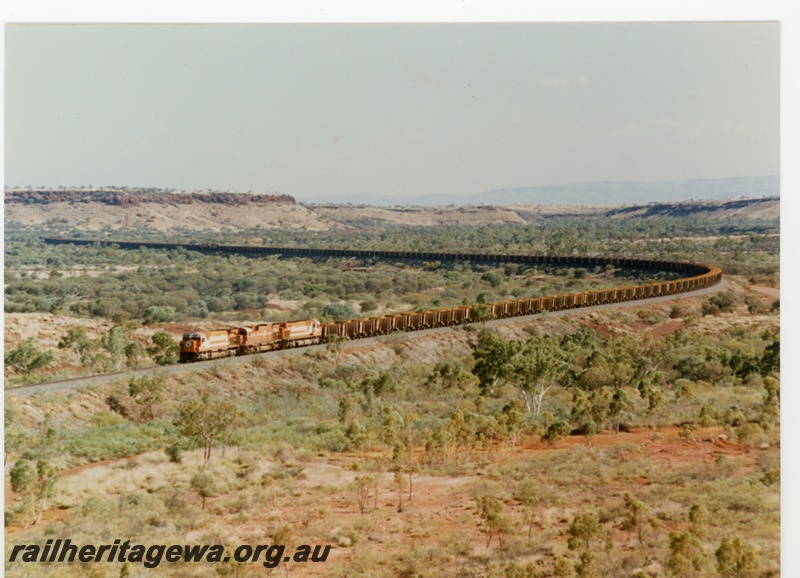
x: 63, y: 550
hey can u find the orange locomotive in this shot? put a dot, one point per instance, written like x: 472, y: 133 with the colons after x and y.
x: 200, y: 346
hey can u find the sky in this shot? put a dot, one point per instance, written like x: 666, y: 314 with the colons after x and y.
x: 324, y: 111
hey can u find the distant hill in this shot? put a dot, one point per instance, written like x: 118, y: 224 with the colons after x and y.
x: 594, y: 193
x: 767, y: 208
x: 365, y: 216
x: 624, y: 193
x: 133, y: 197
x: 98, y: 210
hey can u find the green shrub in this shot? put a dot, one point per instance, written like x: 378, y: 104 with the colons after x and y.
x: 119, y: 440
x: 339, y: 311
x: 557, y: 430
x: 159, y: 314
x: 27, y: 358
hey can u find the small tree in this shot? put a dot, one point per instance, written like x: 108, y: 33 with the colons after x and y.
x: 618, y: 407
x: 492, y: 278
x: 708, y: 418
x: 399, y: 484
x: 15, y: 439
x: 408, y: 436
x: 493, y: 356
x: 27, y: 358
x: 208, y: 421
x: 772, y: 397
x: 448, y: 373
x: 585, y: 528
x: 362, y: 488
x: 587, y: 566
x: 512, y: 420
x: 736, y: 559
x: 165, y: 349
x: 540, y: 365
x: 174, y: 452
x: 591, y: 411
x: 115, y: 342
x: 204, y: 484
x: 339, y: 311
x: 698, y: 517
x: 77, y: 341
x: 771, y: 359
x: 159, y: 314
x: 490, y: 509
x: 147, y: 392
x: 483, y: 297
x: 135, y: 354
x: 636, y: 517
x: 656, y: 406
x: 564, y: 568
x: 720, y: 303
x: 36, y: 485
x: 334, y: 344
x: 528, y: 493
x: 482, y: 313
x: 557, y: 430
x: 687, y: 556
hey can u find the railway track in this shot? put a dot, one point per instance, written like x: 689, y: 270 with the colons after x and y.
x: 93, y: 380
x: 701, y: 279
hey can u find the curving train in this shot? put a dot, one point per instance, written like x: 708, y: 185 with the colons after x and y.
x: 199, y: 346
x: 269, y: 336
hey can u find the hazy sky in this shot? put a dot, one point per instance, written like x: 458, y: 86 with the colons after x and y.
x: 328, y: 110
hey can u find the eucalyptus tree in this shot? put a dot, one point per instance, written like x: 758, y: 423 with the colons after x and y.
x: 540, y: 365
x: 532, y: 367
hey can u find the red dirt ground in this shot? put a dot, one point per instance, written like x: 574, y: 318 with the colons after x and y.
x: 664, y: 446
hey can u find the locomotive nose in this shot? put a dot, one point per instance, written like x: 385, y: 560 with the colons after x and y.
x: 190, y: 342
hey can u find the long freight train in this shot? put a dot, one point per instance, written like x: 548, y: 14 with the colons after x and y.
x: 264, y: 337
x: 267, y: 336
